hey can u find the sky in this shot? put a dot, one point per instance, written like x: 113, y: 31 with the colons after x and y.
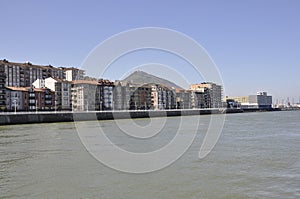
x: 255, y: 44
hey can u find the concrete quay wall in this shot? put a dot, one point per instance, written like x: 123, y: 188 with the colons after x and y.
x: 49, y: 117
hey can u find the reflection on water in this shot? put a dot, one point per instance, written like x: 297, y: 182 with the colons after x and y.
x: 257, y: 156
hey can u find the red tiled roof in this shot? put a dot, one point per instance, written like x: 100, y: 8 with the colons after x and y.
x: 18, y: 88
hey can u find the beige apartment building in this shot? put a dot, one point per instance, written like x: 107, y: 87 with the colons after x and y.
x: 85, y: 95
x: 213, y: 93
x: 162, y: 97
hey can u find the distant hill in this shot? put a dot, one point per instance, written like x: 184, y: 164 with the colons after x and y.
x: 140, y: 78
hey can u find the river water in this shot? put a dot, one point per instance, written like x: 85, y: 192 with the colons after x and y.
x: 257, y: 156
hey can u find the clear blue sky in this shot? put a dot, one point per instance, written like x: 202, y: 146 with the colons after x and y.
x: 255, y: 44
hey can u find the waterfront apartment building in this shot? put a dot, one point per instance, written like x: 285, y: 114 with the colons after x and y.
x: 44, y: 99
x: 29, y: 99
x: 162, y: 97
x: 200, y: 98
x: 106, y: 94
x: 17, y: 98
x: 140, y: 97
x: 2, y: 88
x: 62, y: 89
x: 213, y: 93
x: 85, y: 95
x: 183, y: 99
x: 121, y: 96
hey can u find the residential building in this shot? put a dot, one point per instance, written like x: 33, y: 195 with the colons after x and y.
x: 106, y: 94
x: 200, y: 99
x: 2, y: 88
x: 24, y: 74
x: 39, y: 83
x: 32, y: 100
x: 85, y: 95
x: 213, y: 90
x: 17, y: 99
x: 73, y: 74
x: 121, y: 96
x: 62, y: 89
x: 183, y: 99
x: 44, y: 99
x: 162, y: 97
x: 26, y: 99
x: 140, y: 97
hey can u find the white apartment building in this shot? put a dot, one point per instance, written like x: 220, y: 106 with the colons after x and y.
x: 73, y: 74
x: 62, y: 91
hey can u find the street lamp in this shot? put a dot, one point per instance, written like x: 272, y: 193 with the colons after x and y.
x: 55, y: 107
x: 87, y: 101
x: 15, y: 102
x: 36, y: 108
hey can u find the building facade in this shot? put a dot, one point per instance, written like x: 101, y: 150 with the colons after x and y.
x: 17, y: 99
x: 121, y: 96
x: 200, y: 99
x: 2, y: 88
x: 62, y: 89
x: 140, y: 97
x: 72, y: 74
x: 106, y: 94
x: 44, y: 99
x: 85, y: 95
x: 25, y: 86
x: 183, y: 99
x: 24, y: 74
x: 162, y: 97
x: 213, y: 92
x: 29, y: 99
x: 259, y: 101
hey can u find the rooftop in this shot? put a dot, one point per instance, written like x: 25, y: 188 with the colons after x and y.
x: 29, y: 64
x: 85, y: 82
